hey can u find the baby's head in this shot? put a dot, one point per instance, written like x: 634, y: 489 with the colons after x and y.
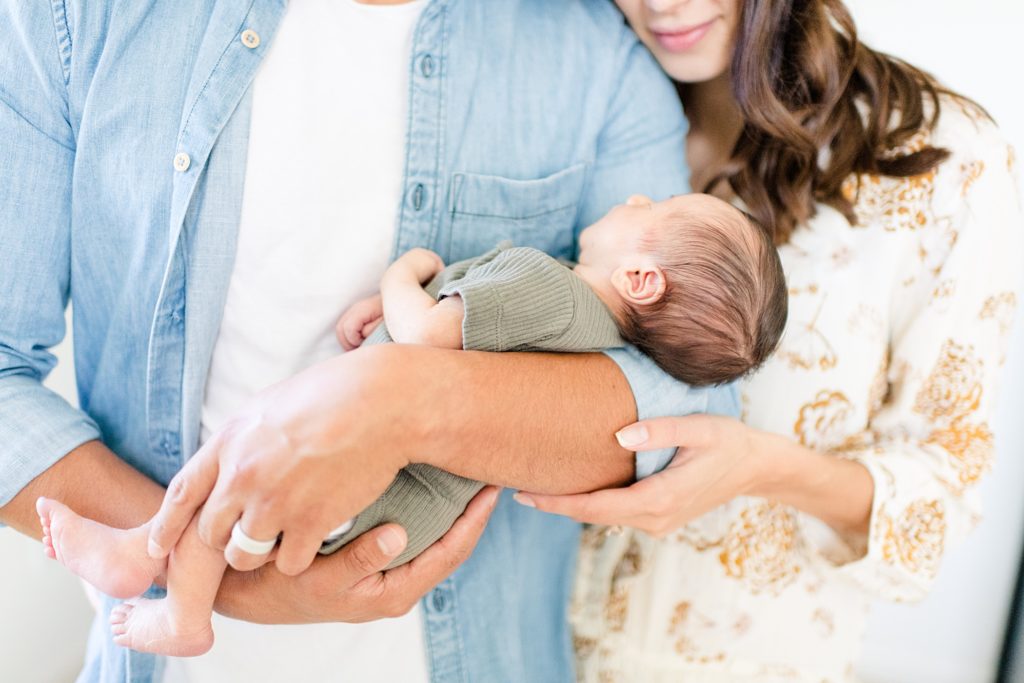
x: 695, y: 284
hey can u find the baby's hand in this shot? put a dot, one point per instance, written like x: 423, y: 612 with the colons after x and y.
x: 356, y: 324
x: 422, y: 263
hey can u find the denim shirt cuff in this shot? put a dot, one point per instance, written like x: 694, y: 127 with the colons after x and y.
x: 37, y: 428
x: 657, y: 394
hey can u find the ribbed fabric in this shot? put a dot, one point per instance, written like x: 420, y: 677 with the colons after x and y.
x: 521, y: 299
x: 516, y: 299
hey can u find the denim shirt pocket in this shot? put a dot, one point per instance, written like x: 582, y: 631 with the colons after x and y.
x: 486, y: 209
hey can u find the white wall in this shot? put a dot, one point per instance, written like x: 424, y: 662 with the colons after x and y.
x: 954, y: 636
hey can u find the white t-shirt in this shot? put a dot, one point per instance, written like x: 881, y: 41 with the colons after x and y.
x: 322, y: 188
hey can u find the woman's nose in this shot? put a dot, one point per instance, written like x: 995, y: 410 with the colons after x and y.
x: 663, y: 6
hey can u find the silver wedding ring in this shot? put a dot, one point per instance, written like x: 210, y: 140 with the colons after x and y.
x: 247, y: 544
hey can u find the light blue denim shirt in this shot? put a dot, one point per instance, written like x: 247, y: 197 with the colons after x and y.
x: 123, y: 140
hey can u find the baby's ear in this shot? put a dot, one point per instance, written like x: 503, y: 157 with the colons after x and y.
x: 640, y: 285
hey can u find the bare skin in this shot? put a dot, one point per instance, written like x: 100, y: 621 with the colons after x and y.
x: 538, y: 446
x: 178, y: 625
x: 107, y: 557
x: 117, y: 561
x: 613, y: 262
x: 258, y: 448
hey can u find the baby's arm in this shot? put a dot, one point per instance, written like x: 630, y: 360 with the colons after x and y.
x: 412, y: 315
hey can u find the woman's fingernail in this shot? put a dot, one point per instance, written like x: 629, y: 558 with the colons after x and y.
x: 631, y: 436
x: 155, y: 550
x: 390, y: 542
x: 524, y: 499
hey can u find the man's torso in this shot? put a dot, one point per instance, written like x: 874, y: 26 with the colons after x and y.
x: 507, y: 112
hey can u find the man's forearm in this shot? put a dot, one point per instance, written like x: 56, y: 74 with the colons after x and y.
x: 94, y: 482
x: 544, y: 422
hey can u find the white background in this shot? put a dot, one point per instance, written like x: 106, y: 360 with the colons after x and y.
x: 953, y: 636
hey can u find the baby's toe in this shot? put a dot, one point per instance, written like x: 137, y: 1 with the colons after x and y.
x: 119, y: 614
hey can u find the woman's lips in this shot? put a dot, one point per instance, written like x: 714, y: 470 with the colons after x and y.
x: 684, y: 39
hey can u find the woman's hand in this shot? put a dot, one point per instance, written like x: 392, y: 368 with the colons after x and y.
x: 361, y: 319
x: 349, y: 585
x: 305, y: 455
x: 716, y: 462
x: 718, y: 459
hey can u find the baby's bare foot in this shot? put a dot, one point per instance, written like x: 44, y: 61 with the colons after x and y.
x: 149, y: 626
x: 113, y: 560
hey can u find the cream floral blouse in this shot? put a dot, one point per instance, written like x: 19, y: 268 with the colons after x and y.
x: 897, y: 330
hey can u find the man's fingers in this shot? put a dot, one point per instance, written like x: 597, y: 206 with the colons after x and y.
x: 185, y: 494
x: 298, y: 550
x: 218, y: 517
x: 437, y: 562
x: 690, y: 431
x: 370, y: 553
x: 243, y: 561
x: 237, y: 549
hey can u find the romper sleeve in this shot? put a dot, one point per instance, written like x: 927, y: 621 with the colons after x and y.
x: 930, y: 438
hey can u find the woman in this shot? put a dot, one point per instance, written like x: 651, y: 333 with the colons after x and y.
x: 894, y: 207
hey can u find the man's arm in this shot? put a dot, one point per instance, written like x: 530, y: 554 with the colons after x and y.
x: 346, y: 587
x: 342, y: 429
x: 85, y: 479
x: 521, y: 420
x: 548, y: 421
x: 37, y: 427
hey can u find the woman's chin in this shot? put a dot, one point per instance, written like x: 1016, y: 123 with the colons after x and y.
x: 691, y: 67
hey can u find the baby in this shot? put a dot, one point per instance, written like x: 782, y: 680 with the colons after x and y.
x: 691, y: 281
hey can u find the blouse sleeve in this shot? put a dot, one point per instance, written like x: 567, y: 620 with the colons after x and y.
x: 930, y: 438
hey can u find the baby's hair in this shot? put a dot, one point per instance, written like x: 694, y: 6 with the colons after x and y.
x: 725, y: 302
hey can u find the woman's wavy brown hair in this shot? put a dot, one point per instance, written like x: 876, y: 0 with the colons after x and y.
x: 805, y: 83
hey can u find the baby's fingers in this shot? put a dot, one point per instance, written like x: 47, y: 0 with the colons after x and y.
x: 369, y: 327
x: 348, y: 332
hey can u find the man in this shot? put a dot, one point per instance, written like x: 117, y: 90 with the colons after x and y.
x: 211, y: 182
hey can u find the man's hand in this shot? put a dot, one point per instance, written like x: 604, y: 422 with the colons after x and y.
x: 359, y: 321
x: 316, y: 449
x: 305, y: 455
x: 349, y: 586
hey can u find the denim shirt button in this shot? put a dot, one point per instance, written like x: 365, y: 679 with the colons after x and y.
x: 250, y: 39
x: 439, y: 600
x: 168, y: 447
x: 418, y: 196
x: 181, y: 162
x: 427, y: 66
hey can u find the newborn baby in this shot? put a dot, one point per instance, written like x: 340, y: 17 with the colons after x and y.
x: 690, y: 281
